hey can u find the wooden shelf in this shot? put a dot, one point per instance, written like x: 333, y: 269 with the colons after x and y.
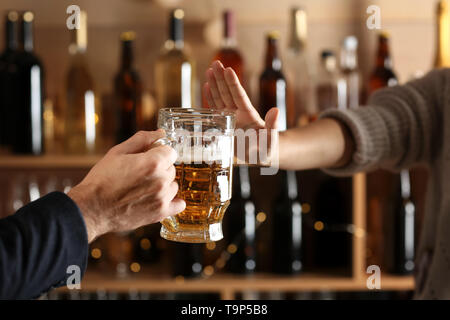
x: 228, y: 285
x: 48, y: 162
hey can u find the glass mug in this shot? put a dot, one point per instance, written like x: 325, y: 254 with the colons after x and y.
x: 204, y: 142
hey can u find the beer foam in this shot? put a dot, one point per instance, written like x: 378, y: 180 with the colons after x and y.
x: 199, y: 154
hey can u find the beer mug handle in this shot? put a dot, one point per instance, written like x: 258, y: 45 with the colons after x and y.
x: 170, y: 223
x: 164, y: 141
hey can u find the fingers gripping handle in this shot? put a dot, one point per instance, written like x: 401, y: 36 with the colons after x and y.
x: 170, y: 223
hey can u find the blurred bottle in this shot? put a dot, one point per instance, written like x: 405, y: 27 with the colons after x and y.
x: 146, y: 240
x: 442, y: 58
x: 229, y: 54
x: 128, y: 91
x: 82, y: 116
x: 299, y: 70
x: 272, y: 84
x: 331, y: 91
x: 380, y: 182
x: 186, y: 260
x: 287, y: 227
x: 383, y: 74
x: 350, y: 72
x: 8, y: 78
x: 174, y: 69
x: 241, y: 225
x: 331, y: 201
x: 28, y: 132
x: 404, y: 216
x: 119, y: 253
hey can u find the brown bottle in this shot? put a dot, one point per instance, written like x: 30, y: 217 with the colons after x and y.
x: 383, y: 75
x: 272, y: 84
x: 228, y: 54
x: 128, y: 90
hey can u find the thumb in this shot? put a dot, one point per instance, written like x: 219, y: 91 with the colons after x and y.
x: 272, y: 119
x: 140, y: 142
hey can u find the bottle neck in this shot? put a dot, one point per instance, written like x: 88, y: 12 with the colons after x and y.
x: 383, y: 55
x: 27, y: 37
x: 329, y: 64
x: 272, y: 59
x: 11, y: 34
x: 297, y: 41
x: 349, y: 60
x: 127, y: 54
x: 176, y: 31
x: 229, y: 30
x: 443, y: 33
x: 79, y: 40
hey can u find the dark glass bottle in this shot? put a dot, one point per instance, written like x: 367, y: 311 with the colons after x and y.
x: 272, y: 84
x: 285, y: 221
x: 187, y: 259
x: 8, y: 77
x: 287, y: 227
x: 128, y: 90
x: 383, y: 75
x: 28, y: 137
x: 241, y: 224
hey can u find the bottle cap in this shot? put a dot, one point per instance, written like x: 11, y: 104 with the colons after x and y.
x: 326, y: 53
x: 273, y: 35
x: 350, y: 43
x: 28, y: 16
x: 128, y: 36
x: 12, y: 16
x: 178, y: 13
x: 442, y: 6
x: 384, y: 34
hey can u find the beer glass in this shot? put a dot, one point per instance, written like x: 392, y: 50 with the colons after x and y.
x: 203, y: 140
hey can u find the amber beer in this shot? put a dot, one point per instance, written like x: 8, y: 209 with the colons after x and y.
x: 206, y: 188
x: 203, y: 171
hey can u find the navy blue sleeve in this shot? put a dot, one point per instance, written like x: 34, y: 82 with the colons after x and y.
x: 37, y: 245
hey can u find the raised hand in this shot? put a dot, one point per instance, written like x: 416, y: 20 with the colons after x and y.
x: 224, y: 91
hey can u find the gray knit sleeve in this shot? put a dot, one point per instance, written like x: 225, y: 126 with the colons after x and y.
x: 400, y: 127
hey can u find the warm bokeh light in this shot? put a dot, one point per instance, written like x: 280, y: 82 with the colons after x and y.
x: 135, y: 267
x: 145, y: 244
x: 261, y: 217
x: 318, y: 225
x: 96, y: 253
x: 208, y: 270
x: 211, y: 245
x: 232, y: 248
x: 306, y: 208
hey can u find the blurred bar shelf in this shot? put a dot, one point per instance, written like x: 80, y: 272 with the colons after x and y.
x: 48, y: 162
x: 229, y: 285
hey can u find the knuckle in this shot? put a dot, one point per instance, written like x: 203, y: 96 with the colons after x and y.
x: 153, y: 166
x: 141, y: 135
x: 159, y: 187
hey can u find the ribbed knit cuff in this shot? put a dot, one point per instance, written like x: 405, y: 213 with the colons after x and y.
x: 368, y: 131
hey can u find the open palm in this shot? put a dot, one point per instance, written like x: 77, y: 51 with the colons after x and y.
x: 223, y: 91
